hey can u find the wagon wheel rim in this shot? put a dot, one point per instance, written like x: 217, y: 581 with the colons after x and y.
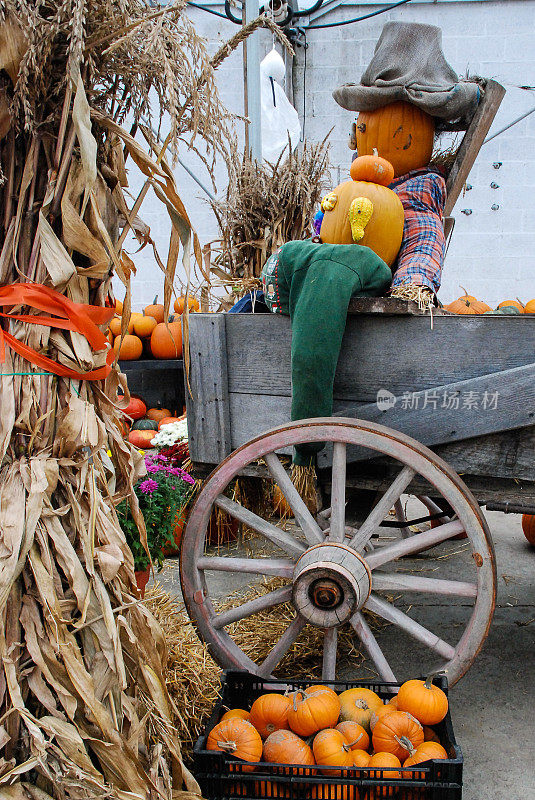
x: 415, y: 459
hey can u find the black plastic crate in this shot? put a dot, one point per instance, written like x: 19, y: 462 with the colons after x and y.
x: 223, y: 777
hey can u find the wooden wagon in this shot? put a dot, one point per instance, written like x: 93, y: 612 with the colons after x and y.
x: 416, y: 405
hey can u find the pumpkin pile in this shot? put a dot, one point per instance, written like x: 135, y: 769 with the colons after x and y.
x: 467, y: 304
x: 148, y: 334
x: 318, y: 728
x: 141, y: 423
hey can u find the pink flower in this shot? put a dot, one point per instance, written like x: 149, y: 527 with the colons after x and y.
x: 148, y: 486
x: 152, y: 468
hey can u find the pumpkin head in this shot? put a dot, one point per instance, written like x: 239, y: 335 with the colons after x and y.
x: 467, y: 304
x: 384, y: 761
x: 354, y: 734
x: 331, y: 749
x: 425, y: 701
x: 269, y: 713
x: 235, y: 713
x: 141, y: 439
x: 130, y: 348
x: 399, y: 132
x: 285, y: 747
x: 166, y: 340
x: 157, y: 414
x: 368, y: 214
x: 237, y: 737
x: 529, y: 308
x: 155, y: 310
x: 397, y: 733
x: 373, y: 169
x: 180, y: 302
x: 528, y: 527
x: 144, y: 326
x: 358, y: 705
x: 425, y: 752
x: 310, y: 713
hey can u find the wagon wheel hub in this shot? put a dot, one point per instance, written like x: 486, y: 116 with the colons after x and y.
x: 330, y: 583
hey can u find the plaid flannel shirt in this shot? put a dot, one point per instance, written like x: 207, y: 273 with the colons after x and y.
x: 421, y: 256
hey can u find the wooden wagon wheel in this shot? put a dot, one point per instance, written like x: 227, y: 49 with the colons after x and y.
x: 333, y: 575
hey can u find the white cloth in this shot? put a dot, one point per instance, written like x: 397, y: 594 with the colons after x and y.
x: 279, y: 118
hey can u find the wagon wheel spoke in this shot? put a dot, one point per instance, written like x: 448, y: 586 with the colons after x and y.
x: 362, y: 629
x: 280, y: 649
x: 338, y: 493
x: 304, y: 518
x: 400, y: 516
x: 414, y: 583
x: 281, y: 567
x: 414, y: 544
x: 432, y: 507
x: 281, y: 538
x: 269, y: 600
x: 381, y: 509
x: 392, y: 614
x: 330, y: 644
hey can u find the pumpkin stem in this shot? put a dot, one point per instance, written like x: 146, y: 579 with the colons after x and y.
x: 428, y: 683
x: 375, y: 152
x: 347, y: 747
x: 360, y: 703
x: 227, y: 747
x: 303, y: 695
x: 406, y: 744
x: 155, y: 300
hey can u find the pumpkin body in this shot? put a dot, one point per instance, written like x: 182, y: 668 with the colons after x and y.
x: 237, y: 737
x: 136, y: 408
x: 466, y: 304
x: 319, y: 687
x: 358, y: 705
x: 383, y: 232
x: 310, y: 713
x: 118, y: 307
x: 166, y: 340
x: 157, y: 414
x: 130, y: 348
x: 180, y: 302
x: 235, y: 713
x: 380, y: 712
x: 398, y: 733
x: 380, y: 761
x: 400, y: 132
x: 155, y: 310
x: 285, y: 747
x: 168, y: 421
x: 505, y: 311
x: 430, y: 735
x: 423, y: 700
x: 372, y: 168
x: 115, y: 326
x: 425, y: 752
x: 145, y: 425
x: 269, y: 713
x: 354, y: 734
x: 528, y: 527
x: 141, y: 439
x: 514, y: 303
x: 529, y: 308
x: 331, y: 749
x: 360, y: 758
x: 144, y: 326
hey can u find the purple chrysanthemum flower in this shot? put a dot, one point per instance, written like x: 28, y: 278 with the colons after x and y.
x: 148, y: 486
x: 152, y: 468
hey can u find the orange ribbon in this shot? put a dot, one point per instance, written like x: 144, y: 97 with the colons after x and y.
x: 68, y: 316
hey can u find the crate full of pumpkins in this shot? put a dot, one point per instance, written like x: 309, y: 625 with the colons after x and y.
x: 148, y: 335
x: 329, y: 741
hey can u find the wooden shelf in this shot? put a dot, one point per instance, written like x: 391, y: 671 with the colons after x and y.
x: 145, y: 364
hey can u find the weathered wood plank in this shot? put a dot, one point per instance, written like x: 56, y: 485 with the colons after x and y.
x: 207, y: 406
x: 387, y: 305
x: 472, y: 141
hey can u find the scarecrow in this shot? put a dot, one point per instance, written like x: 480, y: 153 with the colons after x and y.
x: 382, y: 230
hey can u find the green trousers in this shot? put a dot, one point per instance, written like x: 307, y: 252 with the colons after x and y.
x: 314, y: 283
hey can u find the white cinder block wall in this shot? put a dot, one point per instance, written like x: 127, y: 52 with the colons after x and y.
x: 492, y: 252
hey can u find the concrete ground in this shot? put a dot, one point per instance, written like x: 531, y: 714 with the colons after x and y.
x: 493, y: 706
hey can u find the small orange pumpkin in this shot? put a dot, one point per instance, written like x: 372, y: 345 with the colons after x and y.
x: 331, y: 749
x: 286, y: 747
x: 269, y: 713
x: 430, y: 735
x: 373, y: 169
x: 354, y: 734
x: 358, y: 705
x: 319, y: 687
x: 514, y: 303
x: 238, y: 738
x: 467, y: 304
x: 381, y: 712
x: 157, y: 414
x: 155, y: 310
x: 118, y: 307
x: 310, y: 713
x: 425, y: 752
x: 235, y: 713
x: 130, y: 348
x: 397, y: 733
x: 528, y: 527
x: 180, y: 302
x: 144, y: 326
x: 425, y: 701
x: 384, y: 761
x: 166, y: 340
x: 115, y: 326
x: 529, y: 308
x: 141, y: 439
x: 360, y: 758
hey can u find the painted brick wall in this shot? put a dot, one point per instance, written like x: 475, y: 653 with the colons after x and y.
x: 492, y: 253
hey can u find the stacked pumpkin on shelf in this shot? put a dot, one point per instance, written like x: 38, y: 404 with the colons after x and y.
x: 323, y: 731
x: 145, y: 422
x: 467, y: 304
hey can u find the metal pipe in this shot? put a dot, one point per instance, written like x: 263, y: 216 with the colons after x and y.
x: 253, y: 83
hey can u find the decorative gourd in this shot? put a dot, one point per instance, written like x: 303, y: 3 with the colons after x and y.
x: 514, y: 303
x: 237, y: 737
x: 166, y: 340
x: 384, y: 760
x: 141, y: 439
x: 354, y: 734
x: 285, y: 747
x: 358, y: 705
x: 372, y: 168
x: 235, y: 713
x: 397, y: 733
x: 310, y: 713
x: 425, y: 752
x: 528, y: 527
x: 157, y: 414
x: 136, y: 408
x: 467, y: 304
x: 331, y: 749
x: 360, y: 758
x: 180, y: 302
x: 144, y: 326
x: 400, y: 132
x: 168, y: 421
x: 155, y: 310
x: 145, y: 425
x: 425, y: 701
x: 529, y: 308
x: 129, y: 349
x: 269, y: 713
x: 368, y: 213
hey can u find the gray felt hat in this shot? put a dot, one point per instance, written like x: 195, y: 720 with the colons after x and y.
x: 408, y: 64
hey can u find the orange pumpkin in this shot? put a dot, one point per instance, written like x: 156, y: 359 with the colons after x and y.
x: 397, y: 733
x: 528, y: 527
x: 393, y: 702
x: 319, y: 687
x: 384, y: 761
x: 169, y: 420
x: 130, y: 349
x: 310, y: 713
x: 430, y: 735
x: 399, y: 132
x: 373, y: 169
x: 331, y: 749
x: 334, y: 791
x: 467, y: 304
x: 529, y: 308
x: 144, y: 326
x: 155, y: 310
x: 235, y: 713
x: 514, y: 303
x: 166, y: 340
x: 269, y: 713
x: 180, y: 302
x: 118, y: 307
x: 383, y: 231
x: 115, y: 326
x: 238, y: 738
x: 358, y: 705
x: 360, y: 758
x: 141, y: 439
x: 285, y: 747
x: 354, y: 734
x: 425, y: 701
x: 425, y: 752
x: 379, y: 713
x: 136, y: 408
x: 157, y: 414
